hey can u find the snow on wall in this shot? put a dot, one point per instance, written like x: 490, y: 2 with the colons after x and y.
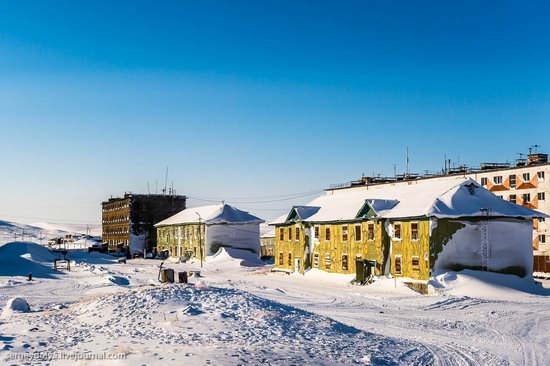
x: 240, y: 236
x: 510, y: 243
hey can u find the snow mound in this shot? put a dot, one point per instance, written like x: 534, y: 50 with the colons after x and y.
x: 487, y: 285
x: 232, y: 322
x: 15, y: 305
x: 235, y: 257
x: 22, y: 258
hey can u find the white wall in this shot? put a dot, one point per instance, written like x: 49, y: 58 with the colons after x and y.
x: 243, y: 236
x: 510, y: 243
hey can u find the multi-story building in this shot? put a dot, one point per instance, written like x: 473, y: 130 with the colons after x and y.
x: 525, y: 185
x: 128, y: 221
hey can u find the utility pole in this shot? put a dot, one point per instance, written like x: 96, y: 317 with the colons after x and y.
x: 200, y: 237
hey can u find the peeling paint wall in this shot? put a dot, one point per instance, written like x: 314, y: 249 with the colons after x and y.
x: 414, y: 254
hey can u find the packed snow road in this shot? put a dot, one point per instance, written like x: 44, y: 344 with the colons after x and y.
x: 244, y: 314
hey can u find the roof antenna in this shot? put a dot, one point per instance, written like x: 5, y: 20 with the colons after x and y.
x: 407, y: 161
x: 148, y: 190
x: 165, y: 181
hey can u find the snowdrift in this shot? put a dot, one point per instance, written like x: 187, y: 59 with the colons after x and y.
x: 487, y: 285
x: 22, y: 258
x: 235, y: 257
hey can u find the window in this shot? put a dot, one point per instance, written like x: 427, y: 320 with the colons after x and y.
x: 542, y: 238
x: 484, y: 181
x: 397, y: 231
x: 316, y: 260
x: 327, y: 261
x: 512, y: 181
x: 415, y: 261
x: 281, y: 234
x: 289, y: 262
x: 541, y: 196
x: 297, y: 234
x: 414, y: 231
x: 397, y: 265
x: 542, y: 219
x: 497, y: 179
x: 316, y: 232
x: 344, y: 232
x: 289, y: 233
x: 327, y: 234
x: 370, y: 232
x: 357, y: 232
x: 526, y: 198
x: 526, y: 177
x: 513, y: 198
x: 540, y: 175
x: 344, y: 262
x: 281, y: 258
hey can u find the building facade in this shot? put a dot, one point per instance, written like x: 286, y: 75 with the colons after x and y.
x: 525, y: 185
x: 199, y: 232
x: 128, y: 221
x: 407, y: 230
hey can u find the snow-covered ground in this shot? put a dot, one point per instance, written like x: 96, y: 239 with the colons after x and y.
x: 239, y: 312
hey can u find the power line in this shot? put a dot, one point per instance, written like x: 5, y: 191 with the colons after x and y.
x: 253, y: 202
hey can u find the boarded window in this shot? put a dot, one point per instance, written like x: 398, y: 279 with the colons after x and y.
x: 316, y: 232
x: 281, y: 234
x: 397, y: 264
x: 397, y: 231
x: 512, y: 181
x: 327, y: 261
x: 281, y: 258
x: 415, y: 261
x: 316, y: 260
x: 414, y: 231
x: 370, y: 231
x: 345, y: 262
x: 345, y: 233
x: 289, y: 233
x: 297, y: 233
x: 289, y: 262
x: 327, y: 234
x: 357, y: 232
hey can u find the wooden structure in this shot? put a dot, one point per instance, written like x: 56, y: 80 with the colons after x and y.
x: 407, y: 231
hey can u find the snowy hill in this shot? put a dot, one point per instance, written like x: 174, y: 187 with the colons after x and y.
x: 41, y: 232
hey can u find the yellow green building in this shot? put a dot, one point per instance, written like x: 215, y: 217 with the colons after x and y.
x: 407, y: 230
x: 200, y: 232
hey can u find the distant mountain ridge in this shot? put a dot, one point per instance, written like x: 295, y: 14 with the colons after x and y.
x: 42, y: 231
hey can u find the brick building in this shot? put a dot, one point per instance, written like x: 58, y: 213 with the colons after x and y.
x: 128, y: 221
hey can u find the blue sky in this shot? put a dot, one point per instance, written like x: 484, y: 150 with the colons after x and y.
x: 245, y: 99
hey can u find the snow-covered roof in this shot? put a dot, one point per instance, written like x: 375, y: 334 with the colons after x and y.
x: 453, y: 197
x: 211, y: 215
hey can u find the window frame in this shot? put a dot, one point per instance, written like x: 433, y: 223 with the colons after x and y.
x: 346, y: 256
x: 528, y: 195
x: 281, y: 258
x: 541, y: 194
x: 297, y: 233
x: 396, y: 257
x: 345, y: 231
x: 417, y: 238
x: 394, y: 237
x: 528, y: 175
x: 369, y: 231
x: 499, y: 178
x: 316, y: 258
x: 328, y: 233
x: 360, y: 232
x: 484, y: 181
x: 512, y: 185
